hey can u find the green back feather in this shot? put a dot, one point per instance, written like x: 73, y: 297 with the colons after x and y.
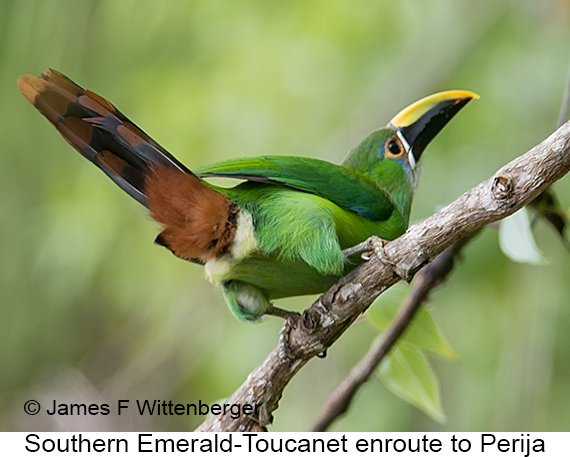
x: 349, y: 189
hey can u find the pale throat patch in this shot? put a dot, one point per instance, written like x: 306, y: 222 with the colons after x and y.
x: 245, y: 242
x: 414, y: 166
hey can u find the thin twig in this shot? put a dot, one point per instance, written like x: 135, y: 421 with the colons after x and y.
x: 425, y: 281
x: 510, y: 188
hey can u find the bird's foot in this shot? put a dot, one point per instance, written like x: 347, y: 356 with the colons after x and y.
x: 406, y: 268
x: 374, y: 245
x: 378, y: 247
x: 363, y: 249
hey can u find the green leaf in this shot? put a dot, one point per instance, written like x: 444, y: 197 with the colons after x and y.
x: 517, y: 241
x: 424, y: 332
x: 407, y: 373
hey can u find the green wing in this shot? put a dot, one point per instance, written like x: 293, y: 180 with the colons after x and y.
x: 346, y: 188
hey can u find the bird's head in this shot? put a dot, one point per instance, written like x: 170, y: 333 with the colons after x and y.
x: 390, y: 156
x: 406, y: 136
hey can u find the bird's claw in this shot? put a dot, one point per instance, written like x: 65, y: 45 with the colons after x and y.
x: 405, y: 269
x: 363, y: 249
x: 372, y: 245
x: 378, y: 245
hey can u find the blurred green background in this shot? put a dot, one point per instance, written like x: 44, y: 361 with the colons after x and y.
x: 92, y: 311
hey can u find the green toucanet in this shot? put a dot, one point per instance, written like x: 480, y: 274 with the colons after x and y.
x: 282, y: 231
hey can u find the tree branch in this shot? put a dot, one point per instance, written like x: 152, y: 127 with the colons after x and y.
x: 326, y: 319
x: 425, y: 281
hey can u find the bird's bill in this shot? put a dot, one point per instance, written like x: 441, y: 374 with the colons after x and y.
x: 420, y: 122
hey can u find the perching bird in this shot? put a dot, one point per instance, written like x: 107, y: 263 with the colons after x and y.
x: 280, y: 233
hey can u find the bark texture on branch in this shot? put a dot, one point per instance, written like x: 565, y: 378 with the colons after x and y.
x: 425, y: 281
x: 510, y: 188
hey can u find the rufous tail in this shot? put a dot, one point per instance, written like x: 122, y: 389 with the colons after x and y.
x: 198, y: 222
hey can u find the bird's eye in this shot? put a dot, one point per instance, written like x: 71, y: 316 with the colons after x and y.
x: 393, y: 147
